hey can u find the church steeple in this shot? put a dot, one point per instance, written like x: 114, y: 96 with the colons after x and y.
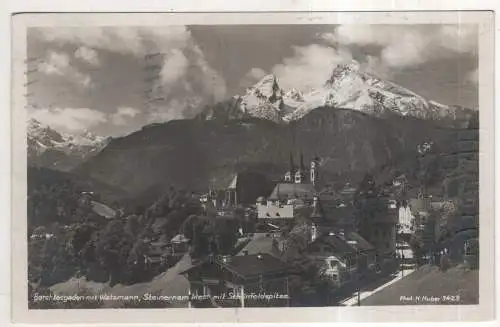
x: 300, y: 175
x: 289, y: 176
x: 314, y: 171
x: 317, y: 213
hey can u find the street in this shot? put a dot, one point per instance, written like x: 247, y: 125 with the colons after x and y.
x: 375, y: 287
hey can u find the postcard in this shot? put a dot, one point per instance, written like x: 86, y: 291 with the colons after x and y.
x: 253, y: 167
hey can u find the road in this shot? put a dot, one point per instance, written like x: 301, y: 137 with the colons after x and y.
x: 375, y: 287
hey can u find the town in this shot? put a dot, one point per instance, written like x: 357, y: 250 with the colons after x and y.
x: 292, y: 241
x: 296, y: 235
x: 254, y: 174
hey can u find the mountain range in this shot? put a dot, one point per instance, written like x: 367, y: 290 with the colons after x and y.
x: 354, y: 123
x: 62, y: 151
x: 348, y: 87
x: 195, y: 154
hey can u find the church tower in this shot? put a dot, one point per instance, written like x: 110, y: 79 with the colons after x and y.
x: 291, y: 173
x: 317, y: 218
x: 314, y: 171
x: 300, y: 174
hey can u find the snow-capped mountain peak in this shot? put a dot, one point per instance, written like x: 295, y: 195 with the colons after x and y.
x: 263, y: 99
x: 348, y: 87
x: 54, y: 146
x: 266, y: 87
x: 342, y: 71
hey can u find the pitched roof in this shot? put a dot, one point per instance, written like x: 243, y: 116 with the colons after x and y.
x: 292, y: 190
x: 246, y: 266
x: 361, y: 243
x: 349, y: 242
x: 179, y: 238
x: 339, y: 245
x: 261, y: 243
x: 257, y: 264
x: 234, y: 183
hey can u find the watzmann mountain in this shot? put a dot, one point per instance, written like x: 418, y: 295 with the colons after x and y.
x: 355, y: 123
x: 348, y: 88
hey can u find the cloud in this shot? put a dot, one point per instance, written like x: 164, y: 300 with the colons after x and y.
x: 473, y: 77
x: 186, y: 82
x: 407, y: 45
x: 138, y: 41
x: 212, y: 82
x: 58, y: 63
x: 174, y: 67
x: 252, y: 76
x: 87, y: 55
x: 184, y: 73
x: 180, y: 79
x: 310, y: 66
x: 69, y: 119
x: 176, y: 109
x: 55, y: 64
x: 122, y: 114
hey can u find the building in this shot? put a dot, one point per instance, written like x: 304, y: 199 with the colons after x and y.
x: 291, y: 195
x: 239, y: 281
x: 382, y: 229
x: 405, y: 222
x: 161, y: 252
x: 342, y: 255
x: 400, y: 185
x: 244, y: 188
x: 347, y: 194
x: 265, y: 243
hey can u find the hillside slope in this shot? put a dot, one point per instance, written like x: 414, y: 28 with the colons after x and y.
x: 194, y: 153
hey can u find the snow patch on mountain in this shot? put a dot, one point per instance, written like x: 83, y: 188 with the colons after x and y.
x: 263, y: 100
x: 47, y: 137
x: 348, y: 87
x: 43, y: 140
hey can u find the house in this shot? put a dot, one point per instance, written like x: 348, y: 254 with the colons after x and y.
x: 161, y: 251
x: 380, y: 221
x: 239, y: 281
x: 348, y: 194
x: 342, y: 255
x: 179, y: 245
x: 265, y: 243
x: 341, y: 214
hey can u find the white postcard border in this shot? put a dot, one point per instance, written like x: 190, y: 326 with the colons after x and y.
x: 483, y: 311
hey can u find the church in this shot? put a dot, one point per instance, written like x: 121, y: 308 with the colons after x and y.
x: 295, y: 192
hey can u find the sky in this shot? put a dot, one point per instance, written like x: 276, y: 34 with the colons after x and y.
x: 113, y: 80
